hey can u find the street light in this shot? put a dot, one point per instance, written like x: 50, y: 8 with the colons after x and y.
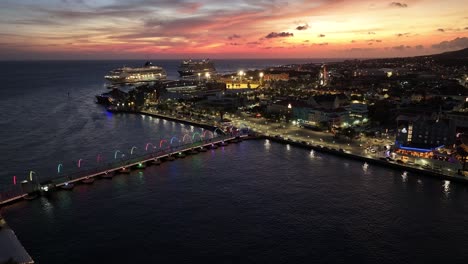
x: 241, y: 73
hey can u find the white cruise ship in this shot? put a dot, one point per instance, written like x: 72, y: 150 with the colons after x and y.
x: 147, y: 73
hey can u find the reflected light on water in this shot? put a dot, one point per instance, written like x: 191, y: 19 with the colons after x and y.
x: 47, y: 207
x: 312, y: 153
x: 446, y: 187
x: 288, y: 147
x: 267, y: 144
x: 404, y: 176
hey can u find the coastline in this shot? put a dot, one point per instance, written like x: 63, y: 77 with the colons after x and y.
x: 382, y: 163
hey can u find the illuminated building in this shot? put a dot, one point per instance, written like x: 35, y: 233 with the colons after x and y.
x: 323, y: 75
x: 422, y: 133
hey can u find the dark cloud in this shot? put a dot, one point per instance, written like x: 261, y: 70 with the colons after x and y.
x: 359, y: 50
x: 374, y: 40
x: 321, y: 36
x: 402, y: 34
x: 371, y: 33
x: 253, y: 43
x: 398, y: 4
x: 419, y: 47
x: 304, y: 27
x: 401, y: 47
x: 279, y: 35
x: 466, y: 28
x: 441, y: 30
x: 234, y: 44
x: 457, y: 43
x: 353, y: 41
x: 306, y: 40
x: 234, y: 36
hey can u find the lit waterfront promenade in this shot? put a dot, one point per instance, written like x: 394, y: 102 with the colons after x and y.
x: 322, y: 142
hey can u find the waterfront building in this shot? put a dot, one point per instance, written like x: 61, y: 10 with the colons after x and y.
x: 424, y: 132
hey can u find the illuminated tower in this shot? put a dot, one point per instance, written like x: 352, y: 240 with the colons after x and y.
x: 323, y: 76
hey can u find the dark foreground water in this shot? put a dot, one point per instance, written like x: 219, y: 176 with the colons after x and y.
x: 251, y: 202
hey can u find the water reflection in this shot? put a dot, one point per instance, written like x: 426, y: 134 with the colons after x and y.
x: 267, y: 144
x: 404, y: 176
x: 288, y: 147
x: 446, y: 187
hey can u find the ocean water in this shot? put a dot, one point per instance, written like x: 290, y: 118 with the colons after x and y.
x: 253, y: 202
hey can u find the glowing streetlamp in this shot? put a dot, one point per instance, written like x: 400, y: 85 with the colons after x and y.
x: 261, y: 77
x: 241, y: 73
x: 199, y: 74
x: 207, y: 75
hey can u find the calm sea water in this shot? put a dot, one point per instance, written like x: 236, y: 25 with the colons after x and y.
x: 254, y: 202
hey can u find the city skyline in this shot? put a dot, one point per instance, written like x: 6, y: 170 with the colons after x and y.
x: 81, y: 29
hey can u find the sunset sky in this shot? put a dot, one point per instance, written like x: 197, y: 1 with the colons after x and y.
x: 160, y: 29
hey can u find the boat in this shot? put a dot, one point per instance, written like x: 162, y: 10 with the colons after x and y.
x: 139, y: 166
x: 213, y: 146
x: 156, y: 161
x: 147, y: 73
x: 192, y: 152
x: 88, y: 180
x: 223, y: 143
x: 30, y: 196
x: 202, y: 149
x: 67, y: 186
x: 108, y: 175
x: 124, y: 170
x: 197, y: 69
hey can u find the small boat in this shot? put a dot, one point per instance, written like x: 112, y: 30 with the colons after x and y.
x: 108, y: 175
x: 139, y: 166
x: 88, y: 180
x: 202, y: 149
x: 213, y: 146
x: 192, y: 152
x: 67, y: 186
x: 156, y: 161
x: 223, y: 143
x: 124, y: 170
x: 30, y: 196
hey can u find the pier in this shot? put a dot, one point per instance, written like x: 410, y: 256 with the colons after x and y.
x: 29, y: 189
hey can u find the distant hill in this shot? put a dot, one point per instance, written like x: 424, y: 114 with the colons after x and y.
x: 458, y: 54
x: 452, y: 58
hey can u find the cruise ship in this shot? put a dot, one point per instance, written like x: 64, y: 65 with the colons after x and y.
x: 197, y: 68
x: 147, y: 73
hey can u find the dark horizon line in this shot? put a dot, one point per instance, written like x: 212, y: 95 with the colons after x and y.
x: 215, y: 59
